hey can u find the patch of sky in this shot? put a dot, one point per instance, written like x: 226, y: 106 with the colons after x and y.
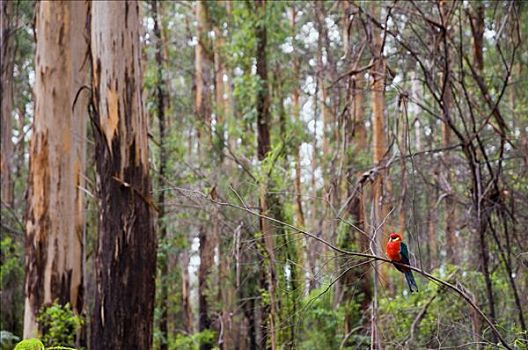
x: 308, y: 34
x: 287, y: 46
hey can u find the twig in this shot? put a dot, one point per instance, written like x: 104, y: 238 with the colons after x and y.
x: 145, y: 199
x: 375, y: 257
x: 12, y: 230
x: 422, y: 312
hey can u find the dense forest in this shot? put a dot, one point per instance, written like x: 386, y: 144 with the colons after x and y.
x: 242, y: 174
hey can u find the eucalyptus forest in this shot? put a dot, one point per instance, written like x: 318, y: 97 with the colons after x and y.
x: 264, y: 174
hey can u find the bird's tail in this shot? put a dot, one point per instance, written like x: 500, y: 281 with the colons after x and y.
x: 411, y: 282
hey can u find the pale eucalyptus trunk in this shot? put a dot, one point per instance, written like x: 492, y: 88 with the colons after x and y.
x: 55, y: 213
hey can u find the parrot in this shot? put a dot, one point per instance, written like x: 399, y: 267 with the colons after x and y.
x: 397, y: 251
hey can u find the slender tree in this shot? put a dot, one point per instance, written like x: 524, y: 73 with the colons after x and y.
x: 161, y: 102
x: 7, y: 61
x: 208, y: 235
x: 11, y: 287
x: 447, y: 107
x: 201, y: 66
x: 269, y: 277
x: 377, y: 73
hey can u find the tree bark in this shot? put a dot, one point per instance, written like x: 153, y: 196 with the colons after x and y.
x: 55, y: 212
x: 447, y: 106
x: 377, y: 73
x: 220, y: 103
x: 126, y: 252
x: 207, y: 251
x: 378, y: 128
x: 186, y: 293
x: 208, y: 235
x: 477, y: 30
x: 356, y: 139
x: 161, y: 101
x: 268, y: 312
x: 228, y: 324
x: 311, y: 245
x: 7, y: 61
x: 202, y: 105
x: 326, y: 122
x: 299, y: 211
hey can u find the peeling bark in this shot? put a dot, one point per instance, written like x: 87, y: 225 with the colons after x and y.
x: 55, y: 213
x: 126, y: 252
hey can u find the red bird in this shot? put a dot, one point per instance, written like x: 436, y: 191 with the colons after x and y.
x: 397, y: 252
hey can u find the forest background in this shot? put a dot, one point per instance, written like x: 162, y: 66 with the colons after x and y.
x: 216, y: 174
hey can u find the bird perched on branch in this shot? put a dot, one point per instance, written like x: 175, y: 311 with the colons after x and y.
x: 397, y: 252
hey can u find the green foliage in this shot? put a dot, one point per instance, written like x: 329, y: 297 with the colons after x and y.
x: 36, y: 344
x: 59, y: 324
x: 30, y: 344
x: 11, y: 267
x: 322, y: 322
x: 192, y: 342
x: 447, y: 316
x: 11, y: 282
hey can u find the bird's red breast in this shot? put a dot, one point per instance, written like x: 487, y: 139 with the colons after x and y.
x: 393, y: 250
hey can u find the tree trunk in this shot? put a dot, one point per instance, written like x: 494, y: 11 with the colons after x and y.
x: 208, y: 235
x: 201, y: 103
x: 447, y: 106
x: 55, y: 212
x: 301, y: 246
x: 268, y: 312
x: 161, y: 101
x: 378, y: 131
x: 312, y: 245
x: 220, y: 90
x: 228, y: 325
x: 296, y: 106
x: 477, y: 29
x: 326, y: 221
x: 207, y: 251
x: 186, y: 293
x: 377, y: 73
x: 7, y: 61
x: 403, y: 137
x: 126, y: 252
x: 356, y: 139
